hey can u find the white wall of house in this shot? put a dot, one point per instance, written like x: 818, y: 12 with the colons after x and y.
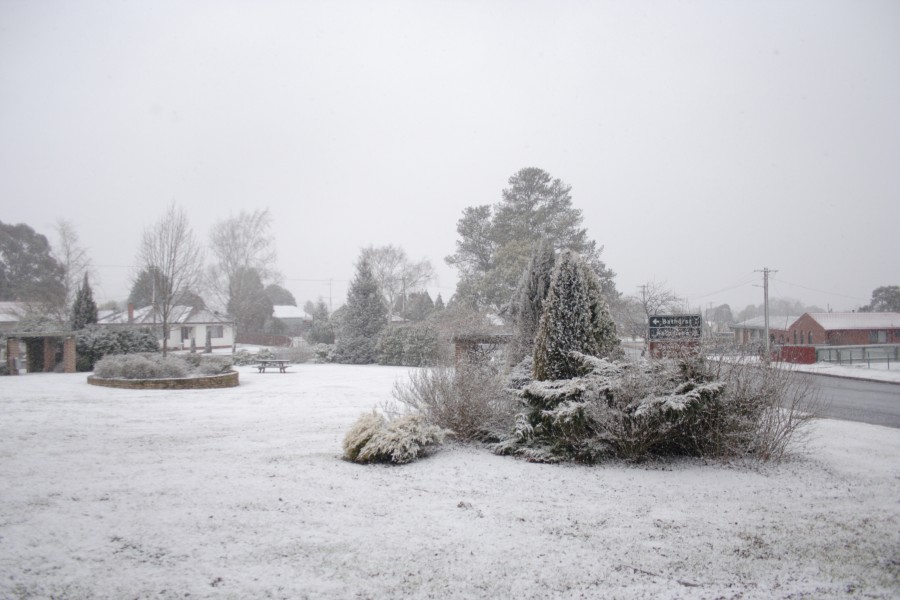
x: 221, y: 335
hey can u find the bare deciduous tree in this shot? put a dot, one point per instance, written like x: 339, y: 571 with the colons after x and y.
x: 169, y: 248
x: 73, y: 258
x: 240, y: 244
x: 397, y: 276
x: 633, y: 312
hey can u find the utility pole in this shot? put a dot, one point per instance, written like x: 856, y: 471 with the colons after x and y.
x: 766, y: 271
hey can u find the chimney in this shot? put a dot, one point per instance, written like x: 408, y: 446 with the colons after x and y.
x: 131, y: 312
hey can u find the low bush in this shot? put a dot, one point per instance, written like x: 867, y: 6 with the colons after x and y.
x: 471, y: 402
x: 95, y: 342
x: 297, y: 354
x: 244, y: 357
x: 373, y: 438
x: 323, y: 353
x: 155, y: 366
x: 416, y: 345
x: 636, y: 410
x: 141, y: 366
x: 206, y: 364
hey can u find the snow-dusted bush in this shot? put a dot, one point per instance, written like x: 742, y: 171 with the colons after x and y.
x: 95, y: 342
x: 323, y: 353
x: 373, y: 438
x: 298, y: 353
x: 779, y: 405
x: 470, y: 401
x: 416, y: 345
x: 209, y: 364
x: 243, y: 357
x: 634, y: 410
x: 141, y: 366
x: 155, y: 366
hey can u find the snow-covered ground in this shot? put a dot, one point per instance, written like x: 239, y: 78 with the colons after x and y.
x: 241, y: 493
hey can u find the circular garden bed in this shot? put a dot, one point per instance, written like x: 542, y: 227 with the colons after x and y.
x: 204, y: 382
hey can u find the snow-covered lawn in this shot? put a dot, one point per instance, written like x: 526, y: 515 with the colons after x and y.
x: 241, y: 493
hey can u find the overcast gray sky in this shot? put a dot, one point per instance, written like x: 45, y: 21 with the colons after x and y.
x: 703, y: 140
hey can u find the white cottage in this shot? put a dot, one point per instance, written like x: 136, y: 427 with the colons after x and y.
x: 186, y: 323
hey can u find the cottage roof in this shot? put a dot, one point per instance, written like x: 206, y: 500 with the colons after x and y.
x: 179, y: 315
x: 11, y: 312
x: 286, y: 311
x: 775, y: 322
x: 859, y: 320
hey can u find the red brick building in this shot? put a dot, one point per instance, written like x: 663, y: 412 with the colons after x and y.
x: 752, y: 331
x: 844, y: 329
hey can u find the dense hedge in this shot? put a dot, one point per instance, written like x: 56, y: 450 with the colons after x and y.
x: 416, y: 345
x: 99, y: 341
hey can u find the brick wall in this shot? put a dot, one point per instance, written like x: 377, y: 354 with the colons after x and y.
x: 800, y: 355
x: 800, y: 332
x: 190, y: 383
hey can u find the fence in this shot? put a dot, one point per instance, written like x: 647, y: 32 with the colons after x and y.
x: 263, y: 339
x: 850, y: 355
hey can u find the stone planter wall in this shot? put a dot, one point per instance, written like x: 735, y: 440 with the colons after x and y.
x: 224, y: 380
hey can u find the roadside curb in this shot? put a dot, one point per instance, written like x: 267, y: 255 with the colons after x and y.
x: 850, y: 377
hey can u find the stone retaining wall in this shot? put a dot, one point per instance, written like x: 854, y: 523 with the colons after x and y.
x: 186, y: 383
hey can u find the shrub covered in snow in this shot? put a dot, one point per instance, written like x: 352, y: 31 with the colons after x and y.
x: 141, y: 366
x: 244, y: 357
x: 207, y: 364
x: 95, y: 342
x: 373, y: 438
x: 416, y: 345
x: 635, y: 410
x: 156, y: 366
x: 470, y: 401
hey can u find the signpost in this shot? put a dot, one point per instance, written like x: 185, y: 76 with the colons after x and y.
x: 674, y: 334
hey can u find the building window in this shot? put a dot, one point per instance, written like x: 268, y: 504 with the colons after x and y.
x: 878, y: 337
x: 216, y: 331
x: 795, y: 337
x: 809, y: 337
x: 187, y: 333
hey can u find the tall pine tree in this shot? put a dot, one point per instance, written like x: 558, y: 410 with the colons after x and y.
x: 364, y: 318
x: 84, y: 309
x: 575, y: 318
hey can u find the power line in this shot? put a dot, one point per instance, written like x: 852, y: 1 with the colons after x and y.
x: 745, y: 280
x: 822, y: 291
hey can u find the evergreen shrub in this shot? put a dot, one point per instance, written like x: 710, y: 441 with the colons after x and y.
x: 416, y: 345
x: 641, y: 409
x: 156, y: 366
x: 141, y: 366
x: 244, y: 357
x: 95, y: 342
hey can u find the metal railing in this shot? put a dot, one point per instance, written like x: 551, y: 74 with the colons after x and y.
x: 850, y: 355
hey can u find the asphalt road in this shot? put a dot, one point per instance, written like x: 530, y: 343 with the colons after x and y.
x: 873, y: 402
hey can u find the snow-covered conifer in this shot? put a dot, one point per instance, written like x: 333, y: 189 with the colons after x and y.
x: 574, y: 319
x: 364, y: 318
x: 84, y: 309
